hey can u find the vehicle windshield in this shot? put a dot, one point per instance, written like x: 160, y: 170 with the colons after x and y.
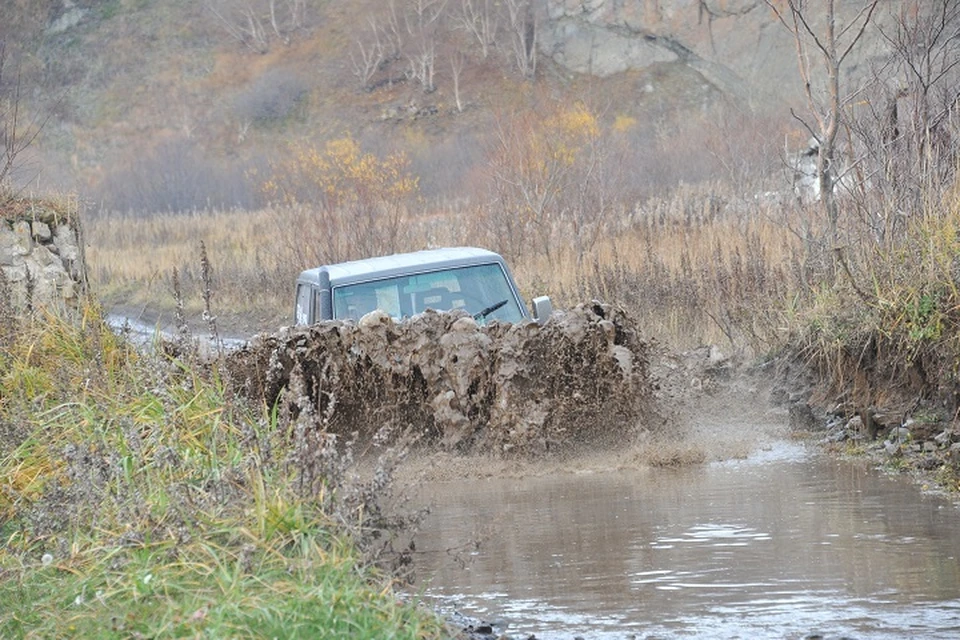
x: 476, y: 290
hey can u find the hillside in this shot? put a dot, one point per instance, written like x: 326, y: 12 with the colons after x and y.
x: 171, y: 105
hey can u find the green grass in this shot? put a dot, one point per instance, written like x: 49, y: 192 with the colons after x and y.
x: 137, y: 500
x: 158, y: 589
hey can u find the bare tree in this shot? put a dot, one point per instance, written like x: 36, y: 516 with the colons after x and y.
x: 423, y: 62
x: 594, y: 192
x: 424, y: 13
x: 393, y: 33
x: 296, y: 10
x: 18, y: 129
x: 529, y: 163
x: 905, y: 131
x: 479, y: 19
x: 369, y: 58
x: 826, y: 103
x: 927, y: 51
x: 522, y: 25
x: 243, y: 23
x: 457, y: 61
x: 254, y: 23
x: 423, y: 19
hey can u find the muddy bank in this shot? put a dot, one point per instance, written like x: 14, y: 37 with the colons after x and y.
x: 868, y: 400
x: 582, y: 378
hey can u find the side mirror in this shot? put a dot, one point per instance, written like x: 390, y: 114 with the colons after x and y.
x: 542, y: 309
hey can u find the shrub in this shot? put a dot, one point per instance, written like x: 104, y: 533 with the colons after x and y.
x: 175, y: 175
x: 271, y: 98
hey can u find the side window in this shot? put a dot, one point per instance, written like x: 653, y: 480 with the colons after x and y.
x: 303, y: 311
x: 355, y: 301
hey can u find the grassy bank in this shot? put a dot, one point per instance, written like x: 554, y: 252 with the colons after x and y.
x: 136, y: 500
x: 883, y: 346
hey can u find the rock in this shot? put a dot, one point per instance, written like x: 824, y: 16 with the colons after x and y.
x: 716, y: 356
x: 899, y: 434
x: 945, y: 437
x: 47, y: 215
x: 42, y: 264
x: 837, y: 434
x: 592, y: 49
x: 604, y: 37
x: 23, y: 237
x: 930, y: 446
x: 70, y: 18
x: 41, y: 232
x: 801, y: 418
x: 855, y: 425
x: 44, y: 258
x: 65, y: 240
x: 953, y: 453
x: 17, y: 273
x: 7, y: 256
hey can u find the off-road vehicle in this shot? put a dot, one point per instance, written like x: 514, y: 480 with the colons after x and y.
x: 474, y: 280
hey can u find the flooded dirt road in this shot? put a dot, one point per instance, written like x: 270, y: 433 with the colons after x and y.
x: 785, y: 543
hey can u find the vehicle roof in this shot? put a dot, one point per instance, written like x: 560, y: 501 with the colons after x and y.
x: 401, y: 264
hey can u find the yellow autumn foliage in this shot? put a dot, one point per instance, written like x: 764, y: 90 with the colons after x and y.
x: 339, y: 174
x: 568, y: 131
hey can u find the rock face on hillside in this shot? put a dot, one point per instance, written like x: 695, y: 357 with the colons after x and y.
x: 736, y: 45
x: 41, y: 260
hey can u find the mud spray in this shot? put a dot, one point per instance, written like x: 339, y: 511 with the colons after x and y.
x: 510, y: 390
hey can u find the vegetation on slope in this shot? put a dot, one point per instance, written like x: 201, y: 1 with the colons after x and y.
x: 137, y: 500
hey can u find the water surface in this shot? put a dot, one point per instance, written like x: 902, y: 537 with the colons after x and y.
x: 780, y: 545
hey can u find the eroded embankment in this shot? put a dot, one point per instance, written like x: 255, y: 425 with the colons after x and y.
x: 583, y: 377
x: 872, y: 395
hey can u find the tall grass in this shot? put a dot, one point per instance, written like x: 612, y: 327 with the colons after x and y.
x: 136, y: 500
x: 694, y: 267
x: 888, y: 330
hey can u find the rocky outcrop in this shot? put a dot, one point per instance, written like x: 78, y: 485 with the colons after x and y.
x: 736, y: 45
x: 41, y: 258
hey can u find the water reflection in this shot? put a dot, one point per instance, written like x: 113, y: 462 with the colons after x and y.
x: 779, y: 545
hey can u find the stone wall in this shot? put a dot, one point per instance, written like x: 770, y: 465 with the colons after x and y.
x: 41, y: 256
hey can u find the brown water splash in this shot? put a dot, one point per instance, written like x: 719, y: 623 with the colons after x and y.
x: 583, y: 377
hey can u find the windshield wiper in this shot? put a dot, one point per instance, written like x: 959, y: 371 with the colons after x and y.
x: 480, y: 315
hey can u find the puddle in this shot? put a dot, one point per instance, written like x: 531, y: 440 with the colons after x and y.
x: 782, y: 544
x: 145, y: 335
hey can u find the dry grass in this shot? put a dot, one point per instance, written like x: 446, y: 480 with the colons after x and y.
x: 245, y: 249
x: 684, y: 267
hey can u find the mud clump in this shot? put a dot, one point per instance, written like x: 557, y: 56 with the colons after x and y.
x: 583, y: 377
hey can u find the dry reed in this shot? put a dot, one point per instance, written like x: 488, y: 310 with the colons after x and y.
x: 689, y: 267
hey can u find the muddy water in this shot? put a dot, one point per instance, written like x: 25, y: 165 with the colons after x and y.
x: 780, y: 545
